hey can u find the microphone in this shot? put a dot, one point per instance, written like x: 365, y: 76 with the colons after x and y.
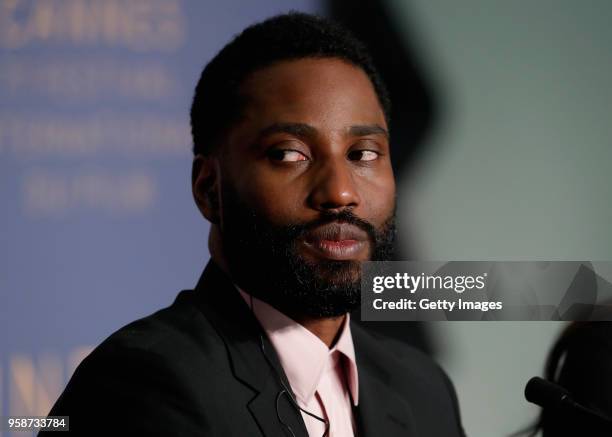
x: 549, y: 395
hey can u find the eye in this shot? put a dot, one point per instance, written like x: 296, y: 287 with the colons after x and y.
x: 287, y: 155
x: 363, y: 155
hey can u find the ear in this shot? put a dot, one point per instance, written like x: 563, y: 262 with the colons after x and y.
x: 205, y: 186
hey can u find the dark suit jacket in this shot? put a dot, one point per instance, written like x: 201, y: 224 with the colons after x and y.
x: 196, y: 368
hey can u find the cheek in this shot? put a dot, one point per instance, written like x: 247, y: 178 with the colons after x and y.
x: 270, y: 197
x: 378, y: 198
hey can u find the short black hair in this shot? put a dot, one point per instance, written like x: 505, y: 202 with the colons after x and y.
x: 217, y: 103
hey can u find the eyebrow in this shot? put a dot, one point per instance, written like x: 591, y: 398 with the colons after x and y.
x: 364, y: 130
x: 296, y: 129
x: 304, y: 130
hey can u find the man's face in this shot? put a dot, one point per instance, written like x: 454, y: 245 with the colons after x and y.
x: 306, y: 186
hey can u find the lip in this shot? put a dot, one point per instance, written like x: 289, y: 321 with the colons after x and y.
x: 337, y: 241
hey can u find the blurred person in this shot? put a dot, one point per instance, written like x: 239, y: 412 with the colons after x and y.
x: 292, y: 168
x: 581, y: 363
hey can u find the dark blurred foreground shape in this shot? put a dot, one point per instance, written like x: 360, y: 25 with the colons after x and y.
x: 581, y: 363
x: 414, y: 111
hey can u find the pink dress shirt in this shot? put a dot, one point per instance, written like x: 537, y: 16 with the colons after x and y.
x: 323, y: 379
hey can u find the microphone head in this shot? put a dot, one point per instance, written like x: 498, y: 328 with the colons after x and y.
x: 545, y: 393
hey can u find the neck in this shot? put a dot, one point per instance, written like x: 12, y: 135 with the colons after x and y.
x: 215, y: 248
x: 327, y: 329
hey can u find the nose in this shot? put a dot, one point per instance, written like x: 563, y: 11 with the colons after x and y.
x: 334, y: 187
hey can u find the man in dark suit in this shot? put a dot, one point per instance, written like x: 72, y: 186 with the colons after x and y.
x: 292, y: 169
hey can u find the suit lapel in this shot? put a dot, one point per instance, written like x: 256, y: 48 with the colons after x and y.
x: 243, y: 336
x: 381, y: 411
x: 263, y: 409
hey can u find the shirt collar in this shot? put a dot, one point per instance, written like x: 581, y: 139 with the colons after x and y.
x: 302, y: 354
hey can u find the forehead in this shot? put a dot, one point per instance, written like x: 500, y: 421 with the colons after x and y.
x: 327, y: 93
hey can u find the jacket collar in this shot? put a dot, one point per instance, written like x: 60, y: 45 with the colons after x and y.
x: 381, y: 410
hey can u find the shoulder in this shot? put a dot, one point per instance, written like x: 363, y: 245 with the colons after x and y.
x: 176, y: 336
x: 143, y: 374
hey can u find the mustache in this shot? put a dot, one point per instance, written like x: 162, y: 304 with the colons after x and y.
x: 298, y: 230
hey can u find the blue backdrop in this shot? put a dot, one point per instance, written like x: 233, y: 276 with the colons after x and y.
x: 98, y: 226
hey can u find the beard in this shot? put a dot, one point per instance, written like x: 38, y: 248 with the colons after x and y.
x: 264, y: 260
